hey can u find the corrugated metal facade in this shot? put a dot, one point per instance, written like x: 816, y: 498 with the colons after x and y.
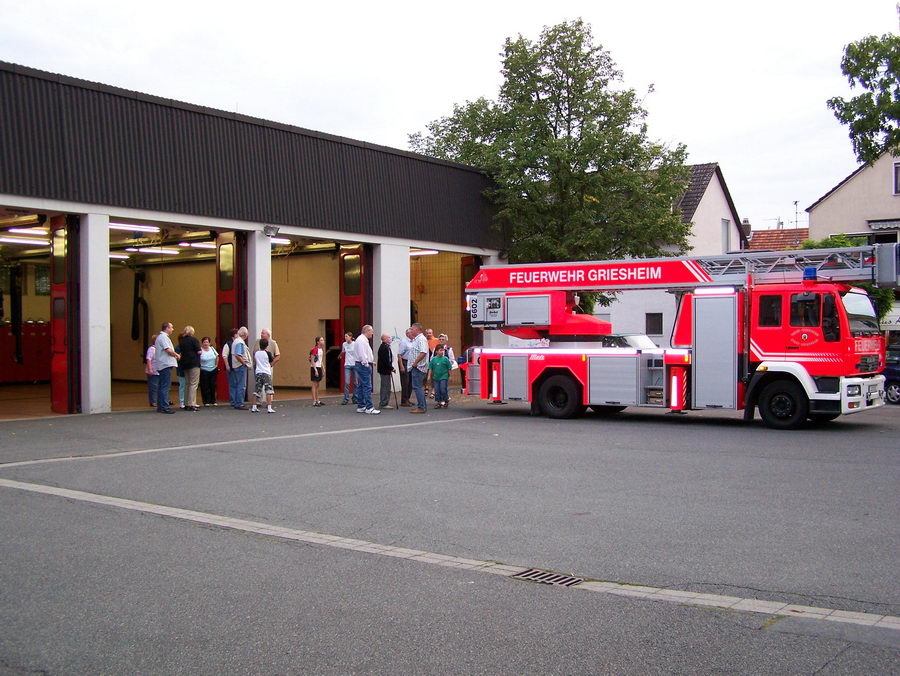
x: 72, y: 140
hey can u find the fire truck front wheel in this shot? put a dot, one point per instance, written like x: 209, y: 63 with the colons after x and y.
x: 560, y: 397
x: 783, y: 405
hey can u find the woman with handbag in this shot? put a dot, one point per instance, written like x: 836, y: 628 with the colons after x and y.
x: 209, y: 371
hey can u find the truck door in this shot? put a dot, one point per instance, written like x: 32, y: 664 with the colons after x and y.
x: 65, y: 381
x: 767, y: 331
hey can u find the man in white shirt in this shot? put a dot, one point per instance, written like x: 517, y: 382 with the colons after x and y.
x: 418, y: 366
x: 404, y: 356
x: 362, y: 353
x: 165, y: 359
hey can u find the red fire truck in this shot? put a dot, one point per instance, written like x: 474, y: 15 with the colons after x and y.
x: 784, y: 332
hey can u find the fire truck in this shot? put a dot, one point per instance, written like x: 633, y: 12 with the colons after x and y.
x: 785, y: 332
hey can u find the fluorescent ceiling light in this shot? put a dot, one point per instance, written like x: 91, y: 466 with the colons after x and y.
x: 423, y: 252
x: 280, y: 240
x: 202, y: 245
x: 158, y: 250
x: 184, y: 243
x: 25, y: 240
x: 127, y: 227
x: 40, y: 232
x: 131, y: 248
x: 119, y: 257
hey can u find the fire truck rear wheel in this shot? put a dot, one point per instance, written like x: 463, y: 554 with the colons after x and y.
x: 783, y: 405
x: 560, y: 397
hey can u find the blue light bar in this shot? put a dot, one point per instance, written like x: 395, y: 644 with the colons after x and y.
x: 809, y: 274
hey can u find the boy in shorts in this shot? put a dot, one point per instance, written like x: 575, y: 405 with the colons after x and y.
x: 263, y: 361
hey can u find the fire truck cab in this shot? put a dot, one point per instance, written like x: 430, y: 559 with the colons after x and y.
x: 782, y: 332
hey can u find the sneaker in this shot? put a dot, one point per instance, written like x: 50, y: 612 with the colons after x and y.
x: 270, y: 410
x: 372, y: 411
x: 321, y: 403
x: 344, y: 403
x: 417, y: 410
x: 254, y: 409
x: 360, y: 410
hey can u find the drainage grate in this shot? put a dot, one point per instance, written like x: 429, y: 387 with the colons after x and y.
x: 542, y: 576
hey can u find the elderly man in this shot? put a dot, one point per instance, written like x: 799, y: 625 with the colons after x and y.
x: 418, y: 366
x: 164, y: 360
x: 385, y: 371
x: 362, y: 353
x: 240, y: 362
x: 404, y: 356
x: 266, y: 334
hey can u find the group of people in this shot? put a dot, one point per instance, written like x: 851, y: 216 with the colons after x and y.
x: 423, y: 362
x: 422, y: 359
x: 196, y: 364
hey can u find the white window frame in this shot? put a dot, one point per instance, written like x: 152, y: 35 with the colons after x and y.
x: 896, y: 177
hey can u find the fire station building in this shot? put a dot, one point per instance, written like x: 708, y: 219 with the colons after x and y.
x: 120, y: 211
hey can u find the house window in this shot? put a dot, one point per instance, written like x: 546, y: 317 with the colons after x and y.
x: 726, y: 235
x: 897, y: 178
x: 653, y: 323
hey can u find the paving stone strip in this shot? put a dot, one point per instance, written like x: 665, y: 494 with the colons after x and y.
x: 475, y: 565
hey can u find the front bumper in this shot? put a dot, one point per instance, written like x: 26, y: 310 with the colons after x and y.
x: 867, y: 393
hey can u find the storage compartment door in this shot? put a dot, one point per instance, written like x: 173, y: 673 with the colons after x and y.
x: 514, y: 377
x: 715, y: 359
x: 613, y: 381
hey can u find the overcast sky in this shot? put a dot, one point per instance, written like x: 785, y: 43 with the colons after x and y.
x: 743, y: 84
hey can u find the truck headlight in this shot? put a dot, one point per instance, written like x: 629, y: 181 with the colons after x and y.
x: 853, y: 390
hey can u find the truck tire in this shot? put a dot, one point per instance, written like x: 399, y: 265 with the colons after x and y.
x: 783, y: 405
x: 892, y: 392
x: 560, y: 397
x: 607, y: 410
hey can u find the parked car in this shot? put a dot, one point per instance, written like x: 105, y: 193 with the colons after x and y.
x: 892, y: 373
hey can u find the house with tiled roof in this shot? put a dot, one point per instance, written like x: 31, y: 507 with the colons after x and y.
x: 716, y: 228
x: 866, y: 204
x: 777, y: 240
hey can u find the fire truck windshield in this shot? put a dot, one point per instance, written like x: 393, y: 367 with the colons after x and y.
x: 860, y: 312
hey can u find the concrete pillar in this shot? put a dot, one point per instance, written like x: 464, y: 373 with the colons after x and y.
x: 93, y: 300
x: 259, y: 284
x: 390, y: 294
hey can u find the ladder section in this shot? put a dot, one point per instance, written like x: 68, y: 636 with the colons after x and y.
x: 879, y: 263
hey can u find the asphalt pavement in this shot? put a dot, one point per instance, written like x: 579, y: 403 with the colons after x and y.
x: 699, y: 503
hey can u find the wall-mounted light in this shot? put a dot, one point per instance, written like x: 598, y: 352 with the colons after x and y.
x: 130, y: 227
x: 270, y: 230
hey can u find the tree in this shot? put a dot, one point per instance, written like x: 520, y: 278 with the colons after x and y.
x: 873, y: 64
x: 577, y: 176
x: 883, y: 298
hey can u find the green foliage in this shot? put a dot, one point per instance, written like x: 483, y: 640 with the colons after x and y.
x: 883, y: 298
x: 577, y: 176
x: 873, y: 64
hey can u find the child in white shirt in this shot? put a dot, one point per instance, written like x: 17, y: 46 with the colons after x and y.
x: 263, y: 361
